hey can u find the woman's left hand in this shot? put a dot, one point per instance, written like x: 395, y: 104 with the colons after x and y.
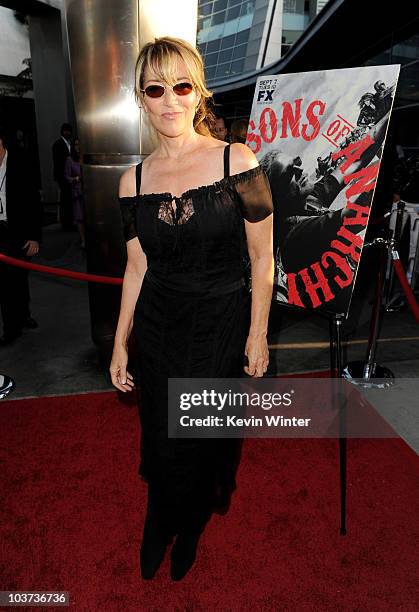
x: 257, y: 353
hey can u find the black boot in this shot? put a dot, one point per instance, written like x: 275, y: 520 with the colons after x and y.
x: 183, y: 553
x: 153, y: 547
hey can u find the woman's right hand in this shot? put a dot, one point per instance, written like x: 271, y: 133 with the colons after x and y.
x: 121, y: 379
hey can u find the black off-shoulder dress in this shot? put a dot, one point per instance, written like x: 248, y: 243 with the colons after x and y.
x: 191, y: 321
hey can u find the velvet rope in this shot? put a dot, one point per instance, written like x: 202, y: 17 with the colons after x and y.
x: 82, y: 276
x: 111, y: 280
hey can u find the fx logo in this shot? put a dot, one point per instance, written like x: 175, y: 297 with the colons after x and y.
x: 265, y: 95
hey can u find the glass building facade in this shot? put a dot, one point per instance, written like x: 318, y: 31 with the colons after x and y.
x: 223, y: 35
x: 400, y: 46
x: 237, y: 36
x: 405, y: 117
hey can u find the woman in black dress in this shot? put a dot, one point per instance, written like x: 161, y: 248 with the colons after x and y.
x: 189, y: 212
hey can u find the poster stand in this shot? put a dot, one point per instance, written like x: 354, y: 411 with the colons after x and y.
x: 336, y: 368
x: 361, y: 372
x: 320, y: 146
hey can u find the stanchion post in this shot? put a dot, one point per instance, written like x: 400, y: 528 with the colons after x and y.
x: 368, y: 372
x: 7, y: 385
x: 395, y: 240
x: 376, y: 316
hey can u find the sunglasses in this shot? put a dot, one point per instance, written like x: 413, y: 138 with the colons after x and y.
x: 156, y: 91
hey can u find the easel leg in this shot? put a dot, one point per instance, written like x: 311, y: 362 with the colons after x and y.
x: 343, y: 451
x: 336, y: 359
x: 332, y: 347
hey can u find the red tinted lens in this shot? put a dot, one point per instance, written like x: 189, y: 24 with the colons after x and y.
x: 154, y: 91
x: 182, y: 89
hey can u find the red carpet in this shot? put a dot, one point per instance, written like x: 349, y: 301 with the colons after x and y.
x: 73, y: 508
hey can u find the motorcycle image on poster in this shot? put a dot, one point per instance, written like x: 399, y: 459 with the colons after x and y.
x: 320, y: 137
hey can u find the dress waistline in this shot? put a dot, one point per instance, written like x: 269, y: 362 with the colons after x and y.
x: 219, y: 290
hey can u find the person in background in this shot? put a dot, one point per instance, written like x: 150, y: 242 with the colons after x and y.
x: 20, y: 236
x: 220, y: 130
x: 61, y: 149
x: 72, y: 173
x: 238, y: 131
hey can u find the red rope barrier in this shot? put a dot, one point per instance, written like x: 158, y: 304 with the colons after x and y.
x: 414, y: 307
x: 82, y: 276
x: 112, y: 280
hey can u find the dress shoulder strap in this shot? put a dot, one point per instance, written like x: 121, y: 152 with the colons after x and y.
x: 227, y: 161
x: 138, y: 170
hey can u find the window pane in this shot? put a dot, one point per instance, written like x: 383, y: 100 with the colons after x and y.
x: 228, y: 41
x: 218, y: 18
x: 239, y: 51
x: 213, y: 45
x: 230, y: 27
x: 225, y: 56
x: 210, y: 72
x: 408, y: 86
x: 204, y: 23
x: 290, y: 6
x: 233, y: 13
x: 223, y: 70
x: 220, y: 5
x: 242, y: 37
x: 206, y: 9
x: 290, y: 36
x: 211, y: 59
x: 406, y: 51
x: 247, y: 7
x: 237, y: 67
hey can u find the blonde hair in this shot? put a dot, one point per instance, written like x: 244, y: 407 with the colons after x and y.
x: 161, y: 58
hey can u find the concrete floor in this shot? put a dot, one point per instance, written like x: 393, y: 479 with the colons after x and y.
x: 59, y: 357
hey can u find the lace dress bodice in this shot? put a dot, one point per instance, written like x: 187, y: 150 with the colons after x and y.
x: 196, y: 242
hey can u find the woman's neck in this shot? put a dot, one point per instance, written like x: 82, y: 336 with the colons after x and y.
x: 179, y: 146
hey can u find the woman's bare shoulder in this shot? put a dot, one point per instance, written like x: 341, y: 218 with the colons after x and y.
x: 241, y: 158
x: 127, y: 183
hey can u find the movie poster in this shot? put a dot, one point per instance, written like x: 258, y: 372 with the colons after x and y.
x: 320, y: 138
